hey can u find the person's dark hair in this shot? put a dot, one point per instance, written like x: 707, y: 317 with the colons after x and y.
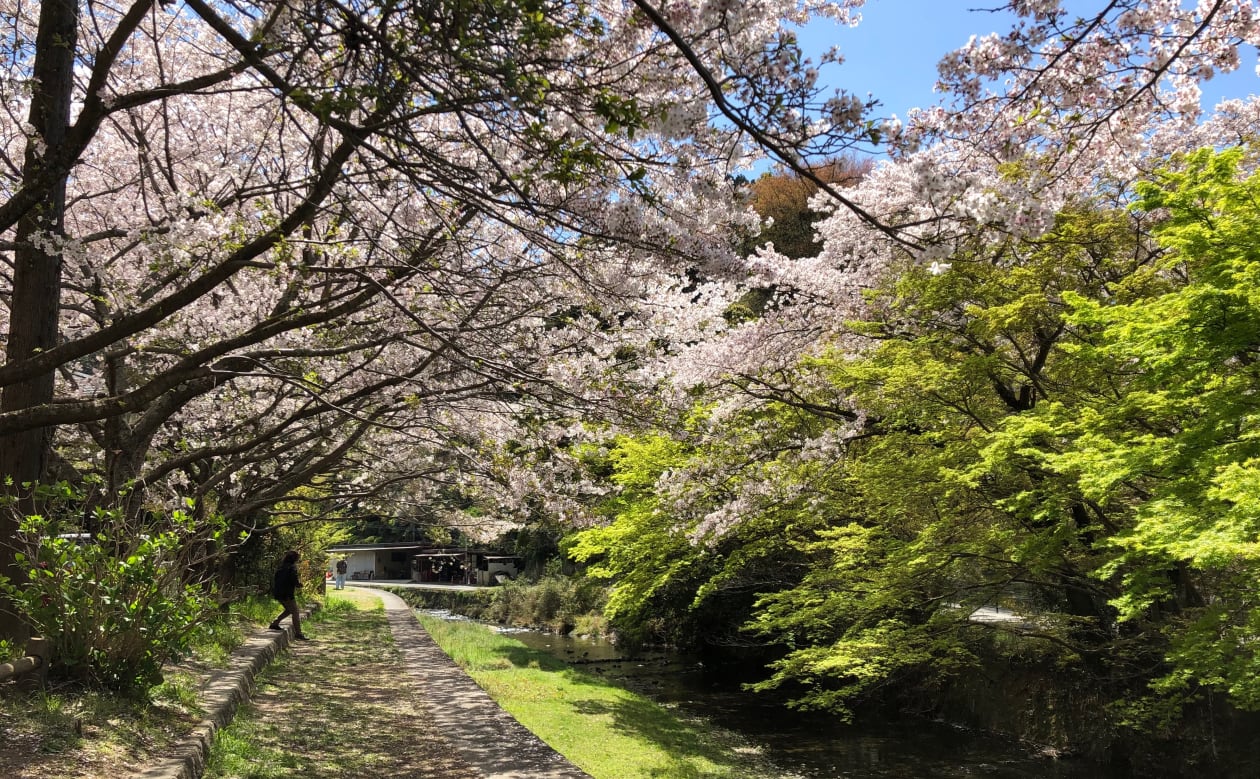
x: 290, y: 557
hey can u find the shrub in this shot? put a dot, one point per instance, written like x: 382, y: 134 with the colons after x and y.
x: 554, y: 602
x: 557, y: 603
x: 115, y: 606
x: 474, y: 604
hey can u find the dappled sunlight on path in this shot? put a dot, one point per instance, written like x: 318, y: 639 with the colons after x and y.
x: 484, y: 734
x: 339, y: 706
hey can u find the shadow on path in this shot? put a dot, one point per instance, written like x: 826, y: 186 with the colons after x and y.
x: 483, y: 734
x: 337, y: 707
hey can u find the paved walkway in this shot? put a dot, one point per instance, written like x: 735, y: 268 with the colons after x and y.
x: 484, y: 735
x: 446, y: 726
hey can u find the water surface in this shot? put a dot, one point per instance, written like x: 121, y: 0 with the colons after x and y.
x: 811, y: 745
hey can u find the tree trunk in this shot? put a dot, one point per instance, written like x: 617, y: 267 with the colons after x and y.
x: 34, y: 309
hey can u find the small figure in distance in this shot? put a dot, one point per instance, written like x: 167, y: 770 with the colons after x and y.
x: 284, y: 587
x: 341, y: 574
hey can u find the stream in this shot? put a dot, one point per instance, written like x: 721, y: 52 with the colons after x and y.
x: 809, y: 745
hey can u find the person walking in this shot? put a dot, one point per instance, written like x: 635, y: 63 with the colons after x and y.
x: 341, y: 574
x: 284, y: 587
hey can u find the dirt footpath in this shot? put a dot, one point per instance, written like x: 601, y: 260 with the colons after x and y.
x: 352, y: 702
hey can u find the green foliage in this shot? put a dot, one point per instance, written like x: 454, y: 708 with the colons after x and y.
x: 1067, y: 426
x: 678, y: 573
x: 1070, y: 421
x: 116, y: 606
x: 254, y: 609
x: 1179, y: 444
x: 932, y: 509
x: 10, y: 651
x: 377, y: 529
x: 554, y: 602
x: 475, y: 604
x: 257, y: 553
x: 558, y: 603
x: 537, y: 544
x: 643, y: 552
x: 616, y: 549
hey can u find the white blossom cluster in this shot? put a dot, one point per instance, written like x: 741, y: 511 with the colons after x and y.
x: 481, y: 266
x: 1038, y: 118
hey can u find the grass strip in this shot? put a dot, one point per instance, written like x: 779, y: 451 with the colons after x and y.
x: 604, y: 729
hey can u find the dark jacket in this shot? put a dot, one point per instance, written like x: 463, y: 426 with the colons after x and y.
x: 285, y: 583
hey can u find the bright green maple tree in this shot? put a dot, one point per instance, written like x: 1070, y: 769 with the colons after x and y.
x: 941, y: 512
x: 1178, y: 444
x: 1075, y: 421
x: 1063, y: 426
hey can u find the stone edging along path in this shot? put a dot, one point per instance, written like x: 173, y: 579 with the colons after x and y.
x: 483, y: 734
x: 220, y: 696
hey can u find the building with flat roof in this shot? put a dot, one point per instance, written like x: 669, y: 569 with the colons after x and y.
x: 388, y: 560
x: 428, y: 564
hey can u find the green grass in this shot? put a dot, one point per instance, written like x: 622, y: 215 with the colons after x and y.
x: 54, y: 734
x: 72, y: 730
x: 251, y: 747
x: 251, y: 752
x: 606, y: 730
x: 256, y: 609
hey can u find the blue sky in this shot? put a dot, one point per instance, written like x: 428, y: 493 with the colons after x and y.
x: 893, y: 52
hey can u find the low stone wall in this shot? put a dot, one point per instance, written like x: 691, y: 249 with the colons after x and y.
x: 469, y: 603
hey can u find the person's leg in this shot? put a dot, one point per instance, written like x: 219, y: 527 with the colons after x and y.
x: 290, y: 607
x: 297, y: 621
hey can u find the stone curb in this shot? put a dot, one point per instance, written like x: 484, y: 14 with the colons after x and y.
x: 220, y: 696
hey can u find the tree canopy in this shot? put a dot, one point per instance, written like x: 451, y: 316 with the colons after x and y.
x: 501, y: 260
x: 258, y: 247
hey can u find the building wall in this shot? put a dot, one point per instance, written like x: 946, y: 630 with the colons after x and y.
x: 356, y: 562
x: 394, y: 564
x: 381, y: 563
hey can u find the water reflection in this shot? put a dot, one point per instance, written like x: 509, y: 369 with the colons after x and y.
x: 809, y: 746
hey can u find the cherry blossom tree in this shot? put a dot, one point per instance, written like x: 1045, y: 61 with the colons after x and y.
x: 1067, y: 107
x: 293, y: 234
